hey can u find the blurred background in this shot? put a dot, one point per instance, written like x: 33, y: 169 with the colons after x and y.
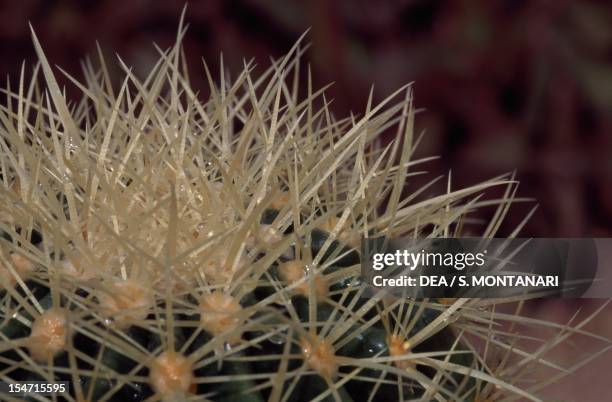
x: 504, y: 85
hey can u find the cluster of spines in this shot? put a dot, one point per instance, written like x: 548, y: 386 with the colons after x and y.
x: 210, y: 249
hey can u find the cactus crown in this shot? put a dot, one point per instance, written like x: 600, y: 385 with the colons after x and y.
x: 160, y: 246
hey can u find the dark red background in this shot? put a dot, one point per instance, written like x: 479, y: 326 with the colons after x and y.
x: 505, y: 85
